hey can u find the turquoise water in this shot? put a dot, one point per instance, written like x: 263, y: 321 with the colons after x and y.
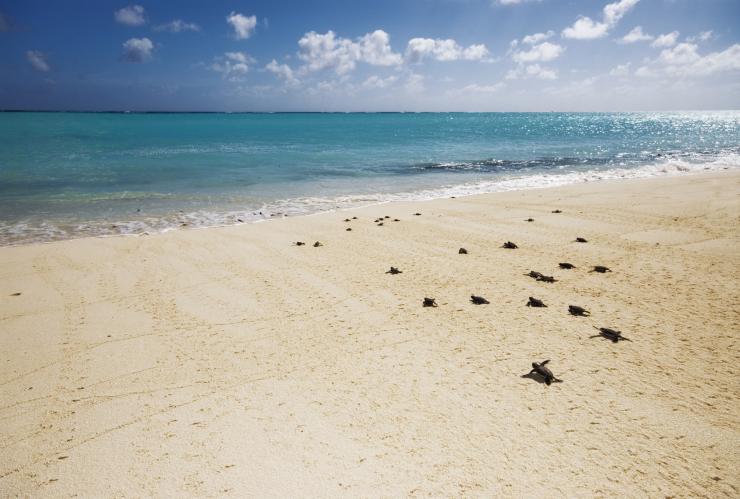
x: 66, y: 175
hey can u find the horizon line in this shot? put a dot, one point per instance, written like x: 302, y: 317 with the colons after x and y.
x: 76, y: 111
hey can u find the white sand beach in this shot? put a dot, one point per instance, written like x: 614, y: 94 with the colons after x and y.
x: 230, y: 362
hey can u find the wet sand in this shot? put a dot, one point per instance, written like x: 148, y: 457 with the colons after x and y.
x: 230, y: 362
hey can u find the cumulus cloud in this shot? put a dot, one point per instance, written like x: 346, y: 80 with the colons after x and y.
x: 243, y: 25
x: 537, y: 37
x: 284, y: 72
x: 681, y: 54
x: 667, y: 40
x: 322, y: 51
x: 177, y: 26
x: 38, y: 60
x: 137, y: 50
x: 133, y: 15
x: 533, y: 50
x: 684, y: 61
x: 586, y: 28
x: 377, y: 82
x: 613, y: 12
x: 232, y: 65
x: 531, y: 71
x: 636, y: 35
x: 542, y: 52
x: 443, y: 50
x: 375, y: 49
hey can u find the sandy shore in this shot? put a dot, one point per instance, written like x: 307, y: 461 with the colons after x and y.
x: 230, y: 362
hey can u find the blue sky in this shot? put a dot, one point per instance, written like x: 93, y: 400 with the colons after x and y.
x: 411, y: 55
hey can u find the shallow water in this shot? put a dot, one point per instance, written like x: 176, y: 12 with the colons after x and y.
x: 65, y: 175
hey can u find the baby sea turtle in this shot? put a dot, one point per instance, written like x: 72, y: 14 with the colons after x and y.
x: 509, y: 245
x: 478, y: 300
x: 534, y: 302
x: 534, y: 274
x: 386, y: 216
x: 600, y: 269
x: 566, y: 265
x: 346, y: 219
x: 581, y: 240
x: 610, y: 334
x: 529, y: 220
x: 462, y: 251
x: 380, y: 224
x: 396, y: 220
x: 429, y: 302
x: 546, y: 278
x: 576, y: 310
x: 354, y: 218
x: 317, y: 244
x: 300, y: 243
x: 394, y: 271
x: 348, y: 229
x: 556, y: 211
x: 15, y: 294
x: 541, y: 369
x: 417, y: 214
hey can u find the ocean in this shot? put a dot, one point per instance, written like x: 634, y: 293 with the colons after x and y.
x: 69, y: 175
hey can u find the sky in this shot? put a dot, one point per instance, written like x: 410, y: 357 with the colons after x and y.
x: 379, y: 55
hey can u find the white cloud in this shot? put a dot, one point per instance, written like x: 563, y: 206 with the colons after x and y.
x: 177, y: 26
x: 636, y: 35
x: 620, y: 70
x: 586, y: 28
x: 613, y: 12
x: 377, y: 82
x: 443, y: 50
x: 531, y: 71
x: 543, y: 52
x: 683, y: 53
x: 38, y: 60
x: 701, y: 37
x: 375, y: 49
x: 537, y: 37
x: 133, y: 15
x: 232, y: 65
x: 322, y: 51
x: 684, y: 61
x: 715, y: 62
x: 137, y: 50
x: 667, y: 40
x: 284, y: 72
x: 243, y: 25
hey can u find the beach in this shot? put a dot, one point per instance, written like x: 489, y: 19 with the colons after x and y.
x: 231, y: 362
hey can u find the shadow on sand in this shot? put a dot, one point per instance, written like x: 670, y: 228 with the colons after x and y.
x: 539, y: 378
